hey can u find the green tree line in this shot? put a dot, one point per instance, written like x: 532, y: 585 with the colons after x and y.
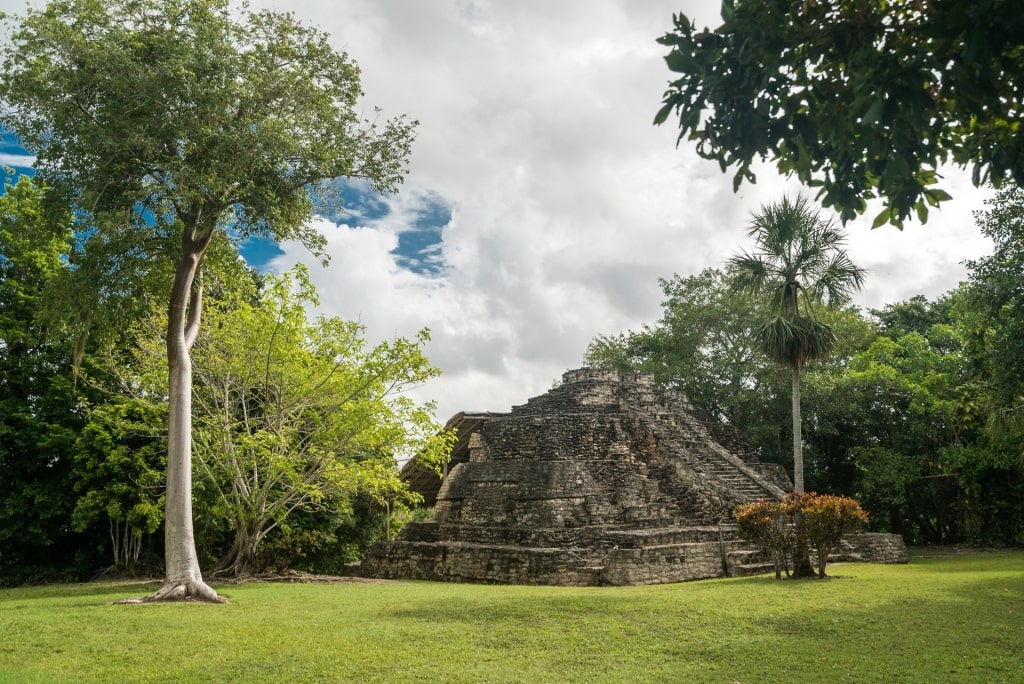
x: 168, y: 130
x: 298, y: 421
x: 917, y: 412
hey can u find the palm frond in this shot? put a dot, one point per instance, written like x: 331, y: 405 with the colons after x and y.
x: 794, y: 342
x: 748, y: 272
x: 799, y: 251
x: 838, y: 279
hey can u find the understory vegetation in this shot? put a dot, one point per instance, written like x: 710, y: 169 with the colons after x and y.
x: 945, y: 617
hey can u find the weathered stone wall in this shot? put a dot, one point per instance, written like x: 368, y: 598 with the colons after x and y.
x: 873, y: 547
x: 689, y: 555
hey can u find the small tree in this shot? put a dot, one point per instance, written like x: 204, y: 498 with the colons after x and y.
x: 826, y: 519
x: 120, y: 458
x: 768, y: 524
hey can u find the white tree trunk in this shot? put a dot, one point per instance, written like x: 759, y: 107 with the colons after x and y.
x: 183, y: 580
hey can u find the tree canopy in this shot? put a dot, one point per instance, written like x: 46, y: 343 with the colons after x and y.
x: 860, y: 98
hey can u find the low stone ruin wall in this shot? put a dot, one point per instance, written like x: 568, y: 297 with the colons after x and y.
x: 627, y: 564
x: 871, y: 547
x: 474, y: 563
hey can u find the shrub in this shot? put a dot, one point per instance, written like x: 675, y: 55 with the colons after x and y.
x: 826, y: 518
x: 768, y: 524
x: 785, y: 529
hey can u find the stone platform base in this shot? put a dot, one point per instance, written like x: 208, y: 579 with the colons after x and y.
x: 656, y: 564
x: 461, y: 562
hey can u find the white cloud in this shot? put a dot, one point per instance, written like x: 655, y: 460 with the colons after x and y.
x: 567, y: 203
x: 20, y: 160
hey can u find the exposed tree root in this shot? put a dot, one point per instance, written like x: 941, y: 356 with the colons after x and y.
x: 176, y: 591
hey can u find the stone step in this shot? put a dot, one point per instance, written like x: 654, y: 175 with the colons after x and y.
x: 748, y: 569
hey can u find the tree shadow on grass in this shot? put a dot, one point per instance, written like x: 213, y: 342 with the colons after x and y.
x: 114, y: 588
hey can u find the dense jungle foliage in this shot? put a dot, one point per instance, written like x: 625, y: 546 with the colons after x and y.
x: 300, y: 421
x: 918, y: 413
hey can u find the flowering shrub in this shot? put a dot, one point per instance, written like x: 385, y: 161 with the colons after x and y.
x: 785, y: 529
x: 768, y: 524
x: 826, y: 519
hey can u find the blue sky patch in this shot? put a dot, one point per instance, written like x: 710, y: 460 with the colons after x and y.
x: 258, y: 251
x: 419, y: 247
x: 358, y: 204
x: 13, y: 156
x: 419, y: 243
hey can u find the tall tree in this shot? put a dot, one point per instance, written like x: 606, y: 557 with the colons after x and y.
x: 994, y: 315
x: 798, y: 262
x: 862, y: 98
x: 196, y: 117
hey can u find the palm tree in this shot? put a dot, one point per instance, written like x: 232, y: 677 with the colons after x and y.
x: 799, y: 261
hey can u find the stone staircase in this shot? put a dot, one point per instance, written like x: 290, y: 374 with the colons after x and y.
x: 672, y: 419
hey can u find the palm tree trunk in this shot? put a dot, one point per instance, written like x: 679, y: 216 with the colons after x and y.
x: 798, y: 439
x: 802, y: 557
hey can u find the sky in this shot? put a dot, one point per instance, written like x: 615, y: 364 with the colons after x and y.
x: 542, y: 205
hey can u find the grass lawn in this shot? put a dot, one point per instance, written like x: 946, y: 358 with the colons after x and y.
x: 945, y: 617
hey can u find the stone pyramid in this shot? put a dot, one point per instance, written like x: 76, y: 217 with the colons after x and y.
x: 605, y: 479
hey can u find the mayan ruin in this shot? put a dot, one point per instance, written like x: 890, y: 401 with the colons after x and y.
x: 607, y: 479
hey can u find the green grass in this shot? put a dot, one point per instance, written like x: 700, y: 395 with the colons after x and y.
x: 942, y: 618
